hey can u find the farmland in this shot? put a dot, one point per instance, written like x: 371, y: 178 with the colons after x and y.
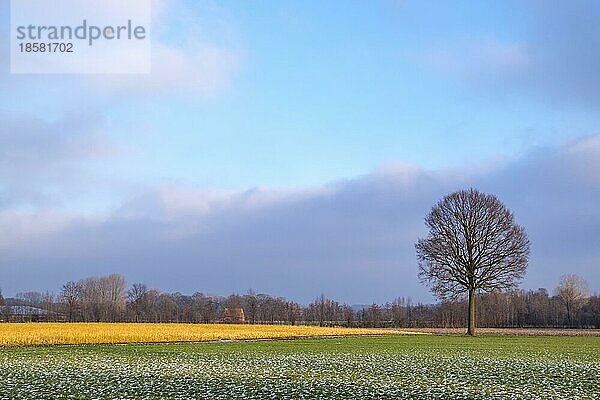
x: 368, y: 367
x: 35, y: 334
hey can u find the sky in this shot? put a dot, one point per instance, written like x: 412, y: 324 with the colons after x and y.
x: 294, y: 148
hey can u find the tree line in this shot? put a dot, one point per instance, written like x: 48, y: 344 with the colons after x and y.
x: 109, y: 299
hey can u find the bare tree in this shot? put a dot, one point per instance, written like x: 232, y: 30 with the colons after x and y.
x: 33, y: 299
x: 70, y: 296
x: 103, y: 298
x: 251, y: 306
x: 294, y: 312
x: 206, y: 306
x: 348, y: 313
x: 590, y: 312
x: 115, y: 286
x: 373, y: 316
x: 136, y: 296
x: 573, y: 292
x: 320, y: 304
x: 474, y: 245
x: 398, y: 310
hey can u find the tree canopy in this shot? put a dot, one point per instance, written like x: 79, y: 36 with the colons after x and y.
x: 473, y: 245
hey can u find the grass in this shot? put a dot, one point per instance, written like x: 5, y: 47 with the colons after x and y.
x: 36, y: 334
x: 367, y: 367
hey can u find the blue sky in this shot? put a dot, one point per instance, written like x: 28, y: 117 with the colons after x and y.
x: 319, y: 85
x: 262, y: 106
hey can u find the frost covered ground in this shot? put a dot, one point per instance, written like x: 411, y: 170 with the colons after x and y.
x: 449, y: 367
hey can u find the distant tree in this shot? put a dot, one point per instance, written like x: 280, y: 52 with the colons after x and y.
x: 573, y: 292
x: 590, y: 312
x: 70, y: 297
x: 207, y: 307
x: 294, y: 312
x: 398, y: 310
x: 150, y: 310
x: 33, y: 299
x: 373, y: 315
x: 1, y: 298
x: 348, y: 313
x: 321, y: 306
x: 103, y: 298
x: 136, y: 296
x: 185, y: 307
x: 233, y: 301
x: 251, y: 306
x: 474, y: 245
x: 319, y: 310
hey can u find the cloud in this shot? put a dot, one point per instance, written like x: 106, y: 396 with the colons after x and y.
x: 37, y: 156
x: 556, y: 59
x: 195, y: 50
x: 351, y: 239
x: 199, y: 67
x: 175, y: 200
x: 21, y: 228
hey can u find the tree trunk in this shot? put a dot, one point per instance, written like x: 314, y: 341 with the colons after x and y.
x: 471, y: 329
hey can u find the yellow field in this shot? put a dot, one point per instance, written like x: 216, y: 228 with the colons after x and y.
x: 34, y: 334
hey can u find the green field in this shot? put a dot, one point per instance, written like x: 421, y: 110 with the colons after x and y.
x: 341, y: 368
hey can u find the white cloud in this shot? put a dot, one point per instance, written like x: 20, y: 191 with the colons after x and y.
x: 191, y: 54
x: 201, y: 68
x: 181, y: 201
x: 19, y: 230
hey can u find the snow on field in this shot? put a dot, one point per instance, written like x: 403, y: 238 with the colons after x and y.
x: 362, y: 368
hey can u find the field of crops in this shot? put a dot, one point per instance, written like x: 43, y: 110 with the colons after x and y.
x: 367, y: 367
x: 34, y: 334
